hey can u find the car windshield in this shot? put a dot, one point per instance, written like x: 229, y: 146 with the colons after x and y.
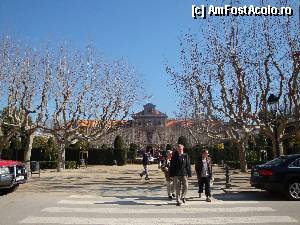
x: 276, y: 162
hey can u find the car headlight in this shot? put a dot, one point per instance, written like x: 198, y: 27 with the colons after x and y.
x: 4, y: 170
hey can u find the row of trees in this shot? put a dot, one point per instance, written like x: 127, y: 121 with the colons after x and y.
x: 56, y: 90
x: 232, y: 69
x: 44, y: 149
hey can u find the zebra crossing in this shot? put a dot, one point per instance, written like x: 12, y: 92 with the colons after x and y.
x: 118, y: 210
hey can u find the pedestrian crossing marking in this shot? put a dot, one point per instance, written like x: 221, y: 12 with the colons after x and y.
x: 109, y: 198
x: 129, y: 201
x: 160, y: 221
x: 130, y: 214
x: 159, y: 210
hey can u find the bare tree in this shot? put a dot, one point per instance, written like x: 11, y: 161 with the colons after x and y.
x: 265, y: 63
x: 111, y: 98
x: 209, y: 101
x: 90, y: 97
x: 277, y: 68
x: 5, y: 67
x: 27, y: 81
x: 59, y: 91
x: 228, y: 76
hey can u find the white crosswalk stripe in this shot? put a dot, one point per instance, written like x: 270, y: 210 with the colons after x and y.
x: 147, y: 202
x: 94, y: 209
x: 151, y: 211
x: 165, y: 221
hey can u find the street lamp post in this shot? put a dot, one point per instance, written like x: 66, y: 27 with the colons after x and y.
x: 273, y: 102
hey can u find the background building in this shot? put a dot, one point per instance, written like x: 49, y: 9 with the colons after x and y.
x: 148, y: 127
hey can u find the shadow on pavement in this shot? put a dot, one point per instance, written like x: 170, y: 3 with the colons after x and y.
x: 153, y: 200
x: 250, y: 196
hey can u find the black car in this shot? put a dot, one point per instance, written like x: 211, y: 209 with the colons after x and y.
x: 279, y: 175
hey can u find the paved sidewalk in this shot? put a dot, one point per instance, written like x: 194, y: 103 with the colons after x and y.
x: 118, y: 180
x: 239, y: 182
x: 115, y: 195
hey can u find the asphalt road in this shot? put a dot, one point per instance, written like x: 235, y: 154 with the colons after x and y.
x: 111, y: 195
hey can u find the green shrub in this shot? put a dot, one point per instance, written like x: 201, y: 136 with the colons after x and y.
x: 103, y: 156
x: 120, y: 153
x: 48, y: 165
x: 72, y: 154
x: 132, y: 153
x: 120, y: 156
x: 71, y: 164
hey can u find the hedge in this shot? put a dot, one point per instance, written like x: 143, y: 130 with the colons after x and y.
x: 53, y: 164
x: 100, y: 156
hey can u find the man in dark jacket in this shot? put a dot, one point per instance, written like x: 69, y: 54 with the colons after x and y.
x: 180, y: 169
x: 203, y: 169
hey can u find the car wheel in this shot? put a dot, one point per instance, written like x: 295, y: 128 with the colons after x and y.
x: 293, y: 190
x: 14, y: 188
x: 9, y: 190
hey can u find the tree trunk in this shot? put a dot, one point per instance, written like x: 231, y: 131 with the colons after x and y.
x: 28, y: 147
x: 4, y: 141
x: 280, y: 145
x: 277, y: 146
x: 61, y: 157
x: 242, y: 156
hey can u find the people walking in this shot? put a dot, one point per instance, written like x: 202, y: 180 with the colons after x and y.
x: 165, y: 167
x: 203, y: 169
x: 146, y: 162
x: 180, y: 170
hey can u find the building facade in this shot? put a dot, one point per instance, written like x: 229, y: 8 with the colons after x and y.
x: 148, y: 127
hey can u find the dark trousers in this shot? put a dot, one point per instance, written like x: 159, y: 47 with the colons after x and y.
x: 204, y: 181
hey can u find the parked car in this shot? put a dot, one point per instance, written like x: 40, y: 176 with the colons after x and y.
x: 12, y: 173
x: 280, y: 175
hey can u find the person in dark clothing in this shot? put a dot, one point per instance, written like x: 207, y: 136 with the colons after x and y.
x: 169, y: 181
x: 203, y: 169
x: 146, y: 162
x: 180, y: 169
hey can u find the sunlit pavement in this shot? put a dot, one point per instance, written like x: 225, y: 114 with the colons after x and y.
x: 117, y: 195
